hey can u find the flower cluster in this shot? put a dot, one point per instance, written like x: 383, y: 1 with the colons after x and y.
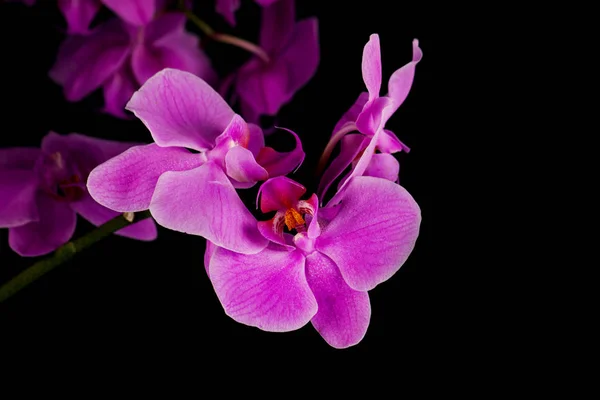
x: 305, y: 259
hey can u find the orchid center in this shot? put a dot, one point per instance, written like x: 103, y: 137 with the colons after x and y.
x: 60, y: 179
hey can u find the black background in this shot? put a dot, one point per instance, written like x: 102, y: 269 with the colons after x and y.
x: 152, y: 305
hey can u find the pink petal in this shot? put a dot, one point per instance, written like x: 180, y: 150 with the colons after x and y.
x: 180, y: 109
x: 83, y: 63
x: 383, y: 166
x: 277, y: 25
x: 344, y: 313
x: 263, y: 87
x: 267, y: 290
x: 389, y: 143
x: 279, y: 193
x: 256, y: 139
x: 273, y: 231
x: 54, y: 228
x: 135, y: 12
x: 352, y: 114
x: 211, y: 248
x: 281, y: 163
x: 401, y: 81
x: 227, y: 9
x: 373, y: 233
x: 127, y: 181
x: 241, y: 166
x: 78, y: 14
x: 98, y: 215
x: 203, y: 202
x: 18, y: 188
x: 351, y: 146
x: 374, y: 116
x: 118, y: 90
x: 371, y: 66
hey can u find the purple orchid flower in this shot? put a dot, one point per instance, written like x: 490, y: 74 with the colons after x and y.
x: 120, y: 57
x: 323, y: 272
x: 293, y: 50
x: 227, y: 8
x: 80, y: 13
x: 368, y: 116
x: 41, y: 190
x: 186, y: 191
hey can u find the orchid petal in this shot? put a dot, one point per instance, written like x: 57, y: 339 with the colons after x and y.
x: 127, y: 181
x: 374, y: 116
x: 277, y: 25
x: 389, y: 143
x: 83, y: 63
x: 19, y: 157
x: 135, y: 12
x: 401, y: 81
x: 281, y: 163
x: 301, y: 55
x: 55, y: 227
x: 352, y: 114
x: 370, y: 244
x: 371, y: 66
x: 383, y: 166
x: 267, y: 290
x: 241, y: 166
x: 279, y: 193
x: 118, y: 90
x: 227, y: 9
x: 18, y: 188
x: 180, y: 109
x: 98, y: 215
x: 273, y: 230
x: 210, y: 250
x: 203, y: 202
x: 351, y: 146
x: 344, y: 313
x: 79, y: 14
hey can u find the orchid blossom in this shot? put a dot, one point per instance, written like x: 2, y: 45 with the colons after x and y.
x: 119, y: 57
x: 368, y: 116
x: 192, y: 192
x: 322, y: 270
x: 42, y: 190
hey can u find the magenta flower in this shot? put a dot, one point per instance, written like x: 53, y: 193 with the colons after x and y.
x: 80, y: 13
x: 322, y: 272
x: 41, y: 190
x: 368, y: 116
x: 120, y: 57
x: 186, y: 191
x: 227, y: 8
x: 293, y: 51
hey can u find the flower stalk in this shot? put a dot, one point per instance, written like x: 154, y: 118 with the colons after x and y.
x: 68, y: 251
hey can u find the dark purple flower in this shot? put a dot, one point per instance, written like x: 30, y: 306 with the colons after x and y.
x: 41, y: 190
x: 186, y: 191
x: 263, y: 87
x: 120, y: 57
x: 321, y: 270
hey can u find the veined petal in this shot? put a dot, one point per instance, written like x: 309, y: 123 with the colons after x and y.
x: 18, y: 188
x: 401, y: 81
x: 79, y: 14
x: 83, y: 63
x: 127, y: 181
x: 344, y: 313
x: 371, y: 66
x: 241, y: 166
x: 203, y: 202
x: 267, y: 290
x: 370, y: 244
x: 180, y: 109
x: 273, y: 230
x: 135, y: 12
x: 54, y: 228
x: 118, y: 90
x: 98, y: 215
x: 389, y: 143
x: 383, y: 166
x: 281, y: 163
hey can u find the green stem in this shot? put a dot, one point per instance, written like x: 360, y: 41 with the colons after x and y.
x: 225, y: 38
x: 67, y: 251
